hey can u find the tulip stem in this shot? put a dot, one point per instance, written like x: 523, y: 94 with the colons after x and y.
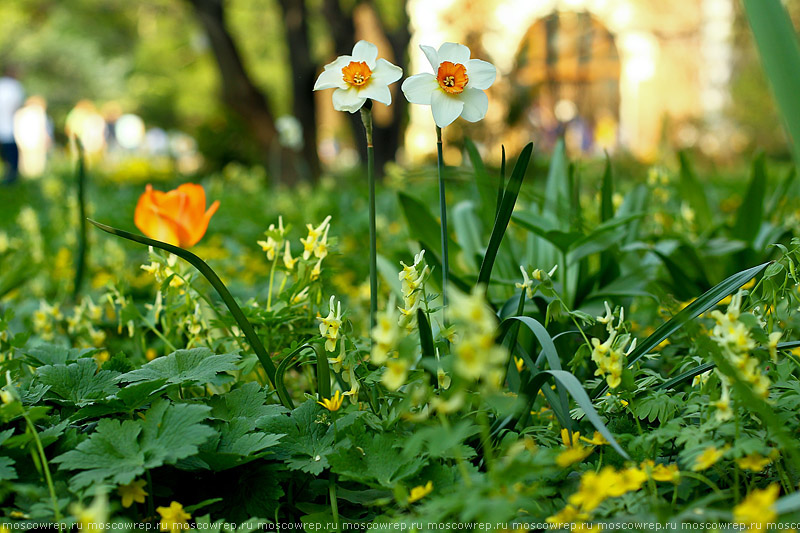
x: 443, y: 215
x: 366, y: 118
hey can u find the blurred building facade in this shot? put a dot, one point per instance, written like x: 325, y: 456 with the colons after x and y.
x: 610, y: 74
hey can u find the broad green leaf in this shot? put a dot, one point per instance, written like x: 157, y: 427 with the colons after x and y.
x: 374, y: 459
x: 422, y: 225
x: 235, y: 444
x: 117, y: 452
x: 776, y: 39
x: 247, y: 401
x: 198, y: 365
x: 486, y: 190
x: 80, y: 383
x: 50, y: 354
x: 307, y: 442
x: 468, y: 231
x: 607, y: 192
x: 750, y: 213
x: 556, y: 193
x: 693, y: 192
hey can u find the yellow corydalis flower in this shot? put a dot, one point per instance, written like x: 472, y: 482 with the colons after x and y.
x: 758, y: 508
x: 420, y: 491
x: 173, y: 518
x: 329, y: 327
x: 575, y: 450
x: 333, y: 403
x: 132, y: 492
x: 396, y: 373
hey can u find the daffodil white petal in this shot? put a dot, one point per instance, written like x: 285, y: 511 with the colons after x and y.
x: 365, y: 51
x: 476, y: 103
x: 419, y: 88
x: 432, y: 55
x: 453, y: 52
x: 331, y: 77
x: 376, y: 91
x: 385, y: 73
x: 347, y: 100
x: 446, y: 109
x: 481, y: 74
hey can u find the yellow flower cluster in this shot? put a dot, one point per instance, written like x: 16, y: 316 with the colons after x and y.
x: 316, y: 244
x: 594, y: 489
x: 733, y: 336
x: 412, y: 284
x: 609, y: 356
x: 46, y: 319
x: 329, y: 326
x: 272, y: 245
x: 477, y: 356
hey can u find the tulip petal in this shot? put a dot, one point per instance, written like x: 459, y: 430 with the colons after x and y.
x: 386, y: 73
x: 446, y: 109
x: 419, y: 88
x: 476, y: 103
x: 150, y: 221
x: 347, y: 100
x: 201, y: 227
x: 331, y: 77
x: 453, y: 52
x: 432, y: 55
x: 481, y: 74
x: 365, y: 51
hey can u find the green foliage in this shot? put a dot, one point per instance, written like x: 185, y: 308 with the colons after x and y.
x: 195, y: 366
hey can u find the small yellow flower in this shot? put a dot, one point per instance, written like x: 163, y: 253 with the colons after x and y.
x: 132, y: 492
x: 334, y: 403
x: 94, y: 515
x: 662, y: 472
x: 755, y: 462
x: 419, y: 492
x: 150, y: 354
x: 6, y: 396
x: 519, y: 363
x: 758, y: 507
x: 706, y: 459
x: 573, y: 455
x: 173, y: 518
x: 597, y: 440
x: 568, y: 515
x: 396, y: 373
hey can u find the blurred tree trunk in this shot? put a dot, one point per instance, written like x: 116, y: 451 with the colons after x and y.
x: 304, y: 74
x: 238, y: 91
x: 388, y: 137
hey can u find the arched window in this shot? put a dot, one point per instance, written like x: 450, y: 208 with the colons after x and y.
x: 566, y: 80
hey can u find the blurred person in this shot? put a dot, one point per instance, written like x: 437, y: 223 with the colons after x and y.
x: 89, y: 126
x: 33, y: 132
x: 12, y: 96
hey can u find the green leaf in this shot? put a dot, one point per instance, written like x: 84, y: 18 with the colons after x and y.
x: 307, y: 443
x: 575, y: 390
x: 693, y: 192
x: 556, y: 193
x: 247, y: 401
x: 375, y: 459
x: 195, y: 366
x: 7, y: 471
x: 486, y: 190
x: 607, y: 193
x: 504, y: 213
x: 80, y: 383
x: 117, y: 452
x: 468, y: 231
x: 422, y: 225
x: 751, y: 212
x: 776, y: 40
x: 50, y: 354
x: 236, y: 444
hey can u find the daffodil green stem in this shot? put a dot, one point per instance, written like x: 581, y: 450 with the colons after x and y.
x: 366, y: 118
x: 443, y: 216
x: 271, y: 281
x: 45, y: 468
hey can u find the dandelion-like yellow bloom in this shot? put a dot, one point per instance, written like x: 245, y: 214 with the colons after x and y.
x: 755, y: 462
x: 173, y: 518
x: 419, y: 492
x: 568, y: 515
x: 333, y: 403
x: 758, y: 507
x: 132, y: 492
x: 707, y: 459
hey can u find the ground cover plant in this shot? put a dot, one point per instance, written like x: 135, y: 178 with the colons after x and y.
x: 550, y: 343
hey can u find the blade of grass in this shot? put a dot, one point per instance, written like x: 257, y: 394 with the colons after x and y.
x: 750, y: 213
x: 504, y: 214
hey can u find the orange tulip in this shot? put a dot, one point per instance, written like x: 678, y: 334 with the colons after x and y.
x: 177, y: 217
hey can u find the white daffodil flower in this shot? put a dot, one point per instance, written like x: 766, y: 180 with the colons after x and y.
x: 456, y: 90
x: 359, y: 76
